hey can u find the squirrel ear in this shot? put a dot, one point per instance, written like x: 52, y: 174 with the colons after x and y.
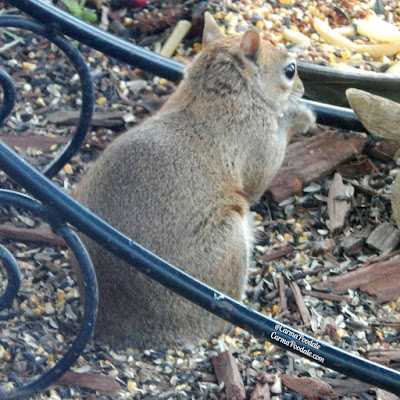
x: 211, y: 30
x: 250, y: 44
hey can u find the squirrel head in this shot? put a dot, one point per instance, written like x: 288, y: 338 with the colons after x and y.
x: 235, y: 64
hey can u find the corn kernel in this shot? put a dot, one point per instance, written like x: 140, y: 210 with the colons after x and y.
x: 131, y: 385
x: 163, y: 81
x: 237, y: 331
x: 357, y: 57
x: 26, y: 64
x: 266, y: 14
x: 303, y: 239
x: 290, y: 2
x: 128, y: 21
x: 35, y: 300
x: 39, y: 310
x: 380, y: 334
x: 393, y: 304
x: 259, y: 217
x: 101, y: 100
x: 256, y: 353
x: 197, y: 47
x: 340, y: 332
x: 40, y: 101
x: 68, y: 169
x: 6, y: 356
x: 345, y: 53
x: 260, y: 24
x: 298, y: 228
x: 275, y: 308
x: 231, y: 30
x: 288, y: 237
x: 218, y: 15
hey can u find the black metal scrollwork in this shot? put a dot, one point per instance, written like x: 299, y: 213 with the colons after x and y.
x: 62, y: 209
x: 86, y: 85
x: 89, y: 278
x: 14, y: 278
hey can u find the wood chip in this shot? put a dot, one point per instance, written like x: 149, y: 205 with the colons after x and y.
x: 301, y: 305
x: 43, y: 234
x: 384, y: 356
x: 383, y: 257
x: 262, y: 390
x: 326, y: 296
x: 339, y: 205
x: 311, y: 158
x: 384, y: 237
x: 273, y: 255
x: 347, y: 387
x: 375, y: 279
x: 311, y: 388
x: 227, y: 372
x: 104, y: 118
x: 104, y: 384
x: 282, y: 296
x: 357, y: 169
x: 35, y: 141
x: 394, y: 322
x: 353, y: 244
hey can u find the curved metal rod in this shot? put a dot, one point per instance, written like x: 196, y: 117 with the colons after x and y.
x: 98, y: 39
x: 9, y: 95
x: 86, y: 84
x: 306, y: 346
x: 91, y: 295
x: 125, y: 51
x: 13, y: 277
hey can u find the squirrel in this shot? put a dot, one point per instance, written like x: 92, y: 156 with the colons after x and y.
x: 181, y: 183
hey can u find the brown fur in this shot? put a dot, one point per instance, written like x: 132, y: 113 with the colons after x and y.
x: 181, y: 183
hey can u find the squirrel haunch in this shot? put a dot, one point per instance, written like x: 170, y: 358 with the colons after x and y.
x: 181, y: 183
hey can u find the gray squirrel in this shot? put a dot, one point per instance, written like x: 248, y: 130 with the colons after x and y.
x: 180, y: 184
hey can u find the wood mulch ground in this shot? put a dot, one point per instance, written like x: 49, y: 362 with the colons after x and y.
x: 326, y: 259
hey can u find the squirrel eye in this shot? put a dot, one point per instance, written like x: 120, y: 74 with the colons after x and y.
x: 290, y: 71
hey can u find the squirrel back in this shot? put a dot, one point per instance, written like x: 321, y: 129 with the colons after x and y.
x: 180, y: 184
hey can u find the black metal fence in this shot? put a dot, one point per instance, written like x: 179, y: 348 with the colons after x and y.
x: 61, y: 211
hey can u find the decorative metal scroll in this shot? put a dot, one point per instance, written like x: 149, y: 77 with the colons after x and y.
x: 50, y: 214
x: 86, y: 85
x: 59, y: 210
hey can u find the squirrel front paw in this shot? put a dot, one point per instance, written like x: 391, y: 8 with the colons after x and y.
x: 296, y: 118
